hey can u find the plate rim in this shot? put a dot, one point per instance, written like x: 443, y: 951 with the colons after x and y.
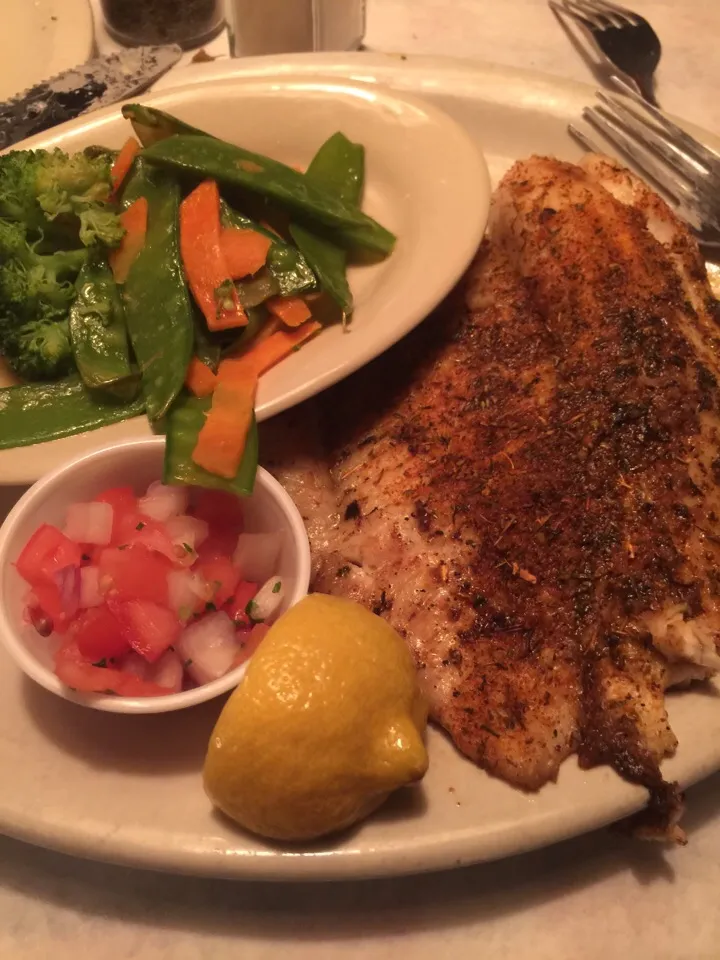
x: 459, y: 848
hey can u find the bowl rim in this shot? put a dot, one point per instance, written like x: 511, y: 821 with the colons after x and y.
x: 11, y: 638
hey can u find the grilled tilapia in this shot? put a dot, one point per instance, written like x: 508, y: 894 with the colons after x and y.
x: 526, y: 486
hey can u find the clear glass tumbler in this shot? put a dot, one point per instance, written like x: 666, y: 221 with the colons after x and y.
x: 187, y: 22
x: 294, y: 26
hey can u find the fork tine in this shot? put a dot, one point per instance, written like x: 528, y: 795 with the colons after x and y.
x: 625, y: 15
x: 657, y: 139
x: 645, y: 160
x: 611, y: 16
x: 578, y: 10
x: 584, y: 140
x: 705, y: 155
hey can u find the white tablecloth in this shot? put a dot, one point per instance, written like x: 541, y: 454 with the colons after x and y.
x: 596, y: 897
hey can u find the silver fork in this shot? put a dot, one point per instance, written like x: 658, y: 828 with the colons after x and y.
x: 684, y: 169
x: 625, y: 38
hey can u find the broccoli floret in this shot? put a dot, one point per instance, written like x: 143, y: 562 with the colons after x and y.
x: 38, y: 349
x: 29, y: 279
x: 53, y: 194
x: 100, y: 225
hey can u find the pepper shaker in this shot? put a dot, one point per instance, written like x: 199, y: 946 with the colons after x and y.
x: 186, y: 22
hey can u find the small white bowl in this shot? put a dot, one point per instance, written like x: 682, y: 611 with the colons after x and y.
x: 136, y: 463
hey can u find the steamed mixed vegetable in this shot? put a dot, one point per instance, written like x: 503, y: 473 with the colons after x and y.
x: 168, y: 277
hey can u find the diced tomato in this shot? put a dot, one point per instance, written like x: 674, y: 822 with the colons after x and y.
x: 219, y: 544
x: 47, y: 551
x: 249, y: 641
x: 135, y: 574
x: 123, y: 501
x: 236, y: 608
x: 151, y: 629
x: 219, y: 510
x: 125, y: 526
x: 222, y: 577
x: 77, y: 672
x: 99, y: 635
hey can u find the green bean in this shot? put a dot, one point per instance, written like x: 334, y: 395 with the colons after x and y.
x: 38, y: 412
x: 184, y: 423
x: 152, y: 125
x: 285, y: 263
x: 158, y: 310
x: 98, y: 332
x: 339, y: 165
x: 300, y: 195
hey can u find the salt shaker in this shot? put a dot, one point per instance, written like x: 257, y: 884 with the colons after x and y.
x: 295, y: 26
x: 187, y: 22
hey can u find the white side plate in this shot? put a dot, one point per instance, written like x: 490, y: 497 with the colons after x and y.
x: 426, y: 181
x: 128, y: 789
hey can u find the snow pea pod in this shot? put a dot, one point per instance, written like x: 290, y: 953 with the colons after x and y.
x: 158, y: 310
x: 300, y: 195
x: 38, y: 412
x: 339, y: 165
x: 285, y: 263
x: 183, y: 426
x: 98, y: 332
x: 152, y: 125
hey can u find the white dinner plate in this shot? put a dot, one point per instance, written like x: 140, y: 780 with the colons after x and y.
x: 40, y: 38
x: 127, y: 789
x: 425, y: 180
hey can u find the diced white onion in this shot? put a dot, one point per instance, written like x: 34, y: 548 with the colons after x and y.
x: 67, y: 581
x: 90, y: 595
x: 136, y: 665
x: 256, y: 555
x: 89, y: 523
x: 208, y: 647
x: 189, y: 530
x: 185, y: 587
x: 264, y: 607
x: 168, y: 672
x: 162, y: 502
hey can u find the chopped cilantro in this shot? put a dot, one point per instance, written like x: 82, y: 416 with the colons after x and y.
x: 188, y: 663
x: 140, y: 526
x: 187, y: 548
x: 276, y: 587
x: 123, y: 546
x: 210, y: 606
x: 101, y: 663
x: 85, y: 557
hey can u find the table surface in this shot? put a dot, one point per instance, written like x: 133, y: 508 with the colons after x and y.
x: 587, y: 898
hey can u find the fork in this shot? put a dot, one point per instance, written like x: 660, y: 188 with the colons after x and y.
x: 624, y: 38
x: 684, y: 169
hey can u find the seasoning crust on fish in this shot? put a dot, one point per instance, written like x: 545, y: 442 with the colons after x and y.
x: 526, y: 486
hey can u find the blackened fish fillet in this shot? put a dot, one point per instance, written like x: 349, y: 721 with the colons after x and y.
x: 526, y: 486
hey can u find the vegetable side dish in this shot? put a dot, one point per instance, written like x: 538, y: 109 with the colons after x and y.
x: 151, y: 595
x: 168, y: 277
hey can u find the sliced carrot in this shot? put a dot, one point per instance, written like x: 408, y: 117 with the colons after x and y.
x: 123, y: 162
x: 200, y: 379
x: 264, y: 354
x: 205, y: 267
x: 291, y: 310
x: 222, y: 438
x: 245, y: 251
x: 134, y: 220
